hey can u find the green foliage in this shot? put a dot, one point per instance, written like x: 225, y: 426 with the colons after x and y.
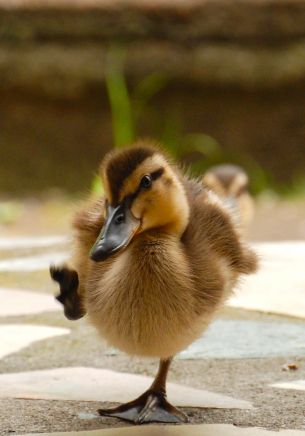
x: 10, y: 211
x: 294, y: 190
x: 97, y: 185
x: 145, y: 90
x: 195, y: 150
x: 120, y: 103
x: 199, y: 152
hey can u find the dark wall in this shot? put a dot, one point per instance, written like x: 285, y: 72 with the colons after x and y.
x: 235, y: 70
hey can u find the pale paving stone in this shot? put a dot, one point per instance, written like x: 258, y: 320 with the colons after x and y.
x: 32, y: 263
x: 15, y: 337
x: 31, y: 242
x: 298, y: 385
x: 92, y: 384
x: 244, y: 339
x: 16, y: 302
x: 279, y: 285
x: 180, y: 430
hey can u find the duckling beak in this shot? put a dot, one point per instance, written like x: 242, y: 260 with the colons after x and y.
x: 116, y: 234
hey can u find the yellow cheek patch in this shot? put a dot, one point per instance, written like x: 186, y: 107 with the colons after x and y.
x: 163, y: 207
x: 143, y: 204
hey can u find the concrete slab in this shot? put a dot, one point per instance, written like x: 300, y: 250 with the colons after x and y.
x: 32, y: 263
x: 16, y: 302
x: 25, y: 242
x: 92, y: 384
x: 15, y: 337
x: 236, y: 339
x: 180, y: 430
x: 279, y: 286
x: 297, y: 385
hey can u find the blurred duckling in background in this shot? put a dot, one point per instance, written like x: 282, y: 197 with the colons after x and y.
x: 154, y: 259
x: 231, y: 184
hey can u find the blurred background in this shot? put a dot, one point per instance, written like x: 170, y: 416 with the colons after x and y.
x: 215, y: 81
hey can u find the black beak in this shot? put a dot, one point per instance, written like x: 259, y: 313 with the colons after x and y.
x: 118, y: 231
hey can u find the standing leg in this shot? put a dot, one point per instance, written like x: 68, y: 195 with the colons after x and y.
x: 152, y: 406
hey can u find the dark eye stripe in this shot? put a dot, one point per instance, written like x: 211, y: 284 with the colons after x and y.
x: 157, y: 174
x: 131, y: 197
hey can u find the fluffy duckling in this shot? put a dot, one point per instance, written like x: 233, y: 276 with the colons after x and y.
x: 154, y: 259
x: 231, y: 183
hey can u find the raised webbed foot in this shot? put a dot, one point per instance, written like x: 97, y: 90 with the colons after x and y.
x: 149, y: 407
x: 68, y: 296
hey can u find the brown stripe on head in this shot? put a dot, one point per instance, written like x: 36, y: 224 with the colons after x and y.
x: 119, y: 165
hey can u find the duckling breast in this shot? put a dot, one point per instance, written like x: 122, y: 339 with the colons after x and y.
x: 145, y: 302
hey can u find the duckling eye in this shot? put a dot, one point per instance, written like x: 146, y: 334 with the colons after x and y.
x: 119, y: 219
x: 146, y: 181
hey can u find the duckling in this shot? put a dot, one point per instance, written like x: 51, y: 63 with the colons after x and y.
x: 155, y: 257
x: 231, y: 183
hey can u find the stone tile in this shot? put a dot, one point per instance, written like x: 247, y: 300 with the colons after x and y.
x: 298, y: 385
x: 92, y: 384
x: 32, y: 263
x: 180, y: 430
x: 25, y: 242
x: 15, y: 337
x: 235, y: 339
x: 279, y: 286
x: 16, y: 302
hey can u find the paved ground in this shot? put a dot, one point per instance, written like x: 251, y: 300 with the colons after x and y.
x: 241, y: 356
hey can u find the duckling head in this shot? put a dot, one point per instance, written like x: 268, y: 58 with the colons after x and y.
x: 227, y: 180
x: 143, y: 192
x: 231, y: 183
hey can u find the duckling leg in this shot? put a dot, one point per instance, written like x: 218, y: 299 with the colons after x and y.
x: 152, y: 406
x: 68, y: 295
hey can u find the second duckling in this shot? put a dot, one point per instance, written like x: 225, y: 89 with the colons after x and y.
x: 231, y: 184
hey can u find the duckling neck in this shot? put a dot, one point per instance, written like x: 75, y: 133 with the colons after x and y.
x: 179, y: 215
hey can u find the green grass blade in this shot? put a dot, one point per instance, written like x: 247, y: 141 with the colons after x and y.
x: 120, y: 104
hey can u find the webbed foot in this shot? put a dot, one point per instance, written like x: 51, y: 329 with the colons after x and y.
x: 149, y: 407
x: 68, y: 296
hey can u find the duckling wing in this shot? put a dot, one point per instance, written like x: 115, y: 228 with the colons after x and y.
x: 213, y: 230
x: 87, y: 224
